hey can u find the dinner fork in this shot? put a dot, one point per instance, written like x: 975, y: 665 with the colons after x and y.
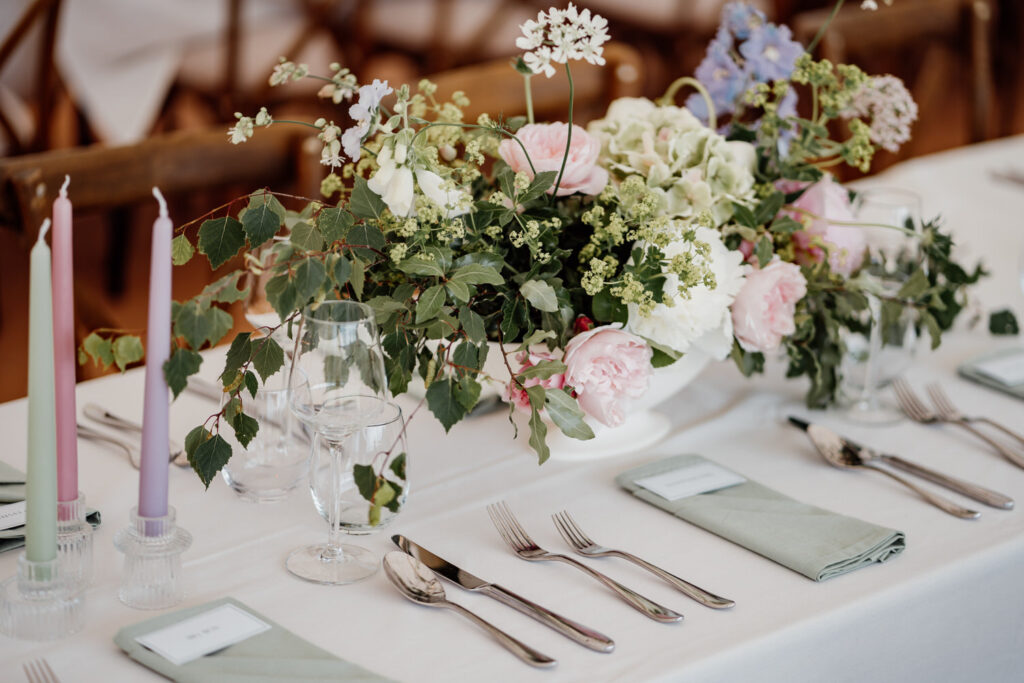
x: 516, y: 537
x: 575, y: 537
x: 39, y: 671
x: 946, y: 408
x: 919, y: 412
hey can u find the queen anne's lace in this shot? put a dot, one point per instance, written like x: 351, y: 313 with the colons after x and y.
x: 558, y: 36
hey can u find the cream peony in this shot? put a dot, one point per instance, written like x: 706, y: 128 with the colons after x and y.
x: 545, y: 143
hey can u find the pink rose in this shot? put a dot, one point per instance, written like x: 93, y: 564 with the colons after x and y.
x: 545, y: 143
x: 762, y: 313
x: 516, y: 394
x: 606, y: 366
x: 845, y: 243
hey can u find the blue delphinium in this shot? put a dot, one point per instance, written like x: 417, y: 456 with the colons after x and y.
x: 722, y: 77
x: 770, y: 53
x: 740, y: 19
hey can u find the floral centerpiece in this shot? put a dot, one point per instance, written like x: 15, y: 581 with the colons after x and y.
x: 584, y: 257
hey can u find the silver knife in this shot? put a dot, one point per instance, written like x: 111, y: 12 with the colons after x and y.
x: 973, y: 491
x: 568, y: 628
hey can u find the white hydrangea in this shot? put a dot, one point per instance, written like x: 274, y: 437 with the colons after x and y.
x: 689, y: 166
x: 558, y: 36
x: 702, y: 319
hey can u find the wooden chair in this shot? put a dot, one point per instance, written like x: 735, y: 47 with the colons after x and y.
x: 929, y: 23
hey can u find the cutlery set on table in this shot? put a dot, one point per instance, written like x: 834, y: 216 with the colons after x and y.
x: 844, y: 453
x: 415, y: 570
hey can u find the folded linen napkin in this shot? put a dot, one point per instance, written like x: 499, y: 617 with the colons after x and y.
x: 12, y: 490
x: 814, y: 542
x: 274, y: 655
x: 998, y: 370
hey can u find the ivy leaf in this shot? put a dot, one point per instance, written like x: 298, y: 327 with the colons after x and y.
x: 341, y: 269
x: 220, y: 323
x: 418, y: 265
x: 262, y: 218
x: 99, y: 349
x: 768, y: 208
x: 472, y: 323
x: 1003, y: 322
x: 193, y: 324
x: 565, y: 412
x: 398, y: 466
x: 785, y: 225
x: 915, y: 285
x: 384, y: 306
x: 334, y: 224
x: 126, y: 350
x: 246, y: 428
x: 281, y: 295
x: 429, y: 304
x: 358, y: 277
x: 366, y: 240
x: 238, y: 353
x: 538, y: 430
x: 181, y: 250
x: 764, y: 251
x: 226, y: 289
x: 540, y: 294
x: 467, y: 392
x: 459, y: 291
x: 482, y: 258
x: 209, y: 457
x: 542, y: 370
x: 541, y: 182
x: 364, y: 202
x: 309, y: 275
x: 443, y: 404
x: 365, y: 480
x: 220, y: 239
x: 251, y: 383
x: 744, y: 216
x: 268, y: 357
x: 194, y: 438
x: 179, y: 367
x: 478, y: 274
x: 306, y: 237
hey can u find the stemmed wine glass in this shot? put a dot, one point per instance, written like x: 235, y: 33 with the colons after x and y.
x: 338, y: 388
x: 884, y: 348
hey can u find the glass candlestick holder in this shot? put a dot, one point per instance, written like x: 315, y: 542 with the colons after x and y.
x: 36, y: 604
x: 152, y: 548
x: 74, y: 543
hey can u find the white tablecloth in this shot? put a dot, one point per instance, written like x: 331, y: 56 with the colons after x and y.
x: 951, y: 608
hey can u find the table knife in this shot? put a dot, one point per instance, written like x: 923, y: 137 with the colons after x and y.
x: 972, y: 491
x: 568, y: 628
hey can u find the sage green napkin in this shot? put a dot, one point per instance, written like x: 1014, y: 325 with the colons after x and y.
x: 274, y: 655
x: 970, y: 371
x: 12, y: 490
x: 814, y: 542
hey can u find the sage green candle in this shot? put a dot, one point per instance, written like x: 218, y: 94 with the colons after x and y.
x: 41, y: 477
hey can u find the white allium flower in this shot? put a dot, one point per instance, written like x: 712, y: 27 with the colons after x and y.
x: 330, y: 134
x: 702, y: 320
x: 890, y: 107
x: 242, y: 130
x: 562, y: 35
x: 263, y: 118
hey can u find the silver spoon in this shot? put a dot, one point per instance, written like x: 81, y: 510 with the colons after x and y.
x: 418, y: 583
x: 830, y: 445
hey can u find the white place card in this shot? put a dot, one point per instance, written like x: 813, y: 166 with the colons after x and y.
x: 202, y: 634
x: 1007, y: 370
x: 683, y: 482
x: 12, y: 515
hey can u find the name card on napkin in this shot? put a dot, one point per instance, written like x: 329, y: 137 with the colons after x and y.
x: 202, y: 634
x: 1007, y: 369
x: 690, y: 480
x: 12, y: 515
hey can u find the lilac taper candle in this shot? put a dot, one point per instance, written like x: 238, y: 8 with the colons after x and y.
x: 64, y: 347
x: 156, y: 408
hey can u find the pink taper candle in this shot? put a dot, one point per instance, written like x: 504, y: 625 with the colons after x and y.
x: 64, y: 347
x: 156, y: 406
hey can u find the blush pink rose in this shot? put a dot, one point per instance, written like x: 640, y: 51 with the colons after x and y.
x: 762, y: 313
x: 516, y: 394
x: 606, y: 366
x: 545, y: 143
x: 845, y: 244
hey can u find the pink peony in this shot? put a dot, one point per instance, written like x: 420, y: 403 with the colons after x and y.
x: 605, y: 366
x: 545, y: 143
x: 517, y: 395
x: 845, y: 243
x: 762, y: 313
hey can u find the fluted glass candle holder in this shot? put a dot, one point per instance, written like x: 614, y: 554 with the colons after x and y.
x: 74, y: 543
x: 152, y: 548
x: 36, y: 604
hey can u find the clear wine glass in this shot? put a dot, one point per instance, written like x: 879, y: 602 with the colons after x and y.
x: 885, y: 345
x: 337, y: 387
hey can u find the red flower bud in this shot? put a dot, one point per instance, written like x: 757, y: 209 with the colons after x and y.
x: 582, y: 324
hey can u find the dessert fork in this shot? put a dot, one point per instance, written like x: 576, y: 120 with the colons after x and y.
x: 39, y: 671
x: 919, y: 412
x: 949, y: 411
x: 574, y: 536
x: 522, y: 545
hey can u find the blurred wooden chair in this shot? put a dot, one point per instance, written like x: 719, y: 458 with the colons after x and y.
x: 496, y: 88
x: 934, y: 24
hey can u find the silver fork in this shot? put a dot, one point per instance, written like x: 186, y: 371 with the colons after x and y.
x: 39, y: 671
x: 523, y: 546
x: 946, y: 408
x: 574, y: 536
x: 919, y: 412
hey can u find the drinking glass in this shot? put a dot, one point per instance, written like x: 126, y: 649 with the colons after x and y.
x: 337, y: 387
x: 256, y: 307
x: 885, y: 345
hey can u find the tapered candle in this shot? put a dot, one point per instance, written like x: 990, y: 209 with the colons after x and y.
x: 41, y: 478
x: 64, y: 347
x: 156, y: 406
